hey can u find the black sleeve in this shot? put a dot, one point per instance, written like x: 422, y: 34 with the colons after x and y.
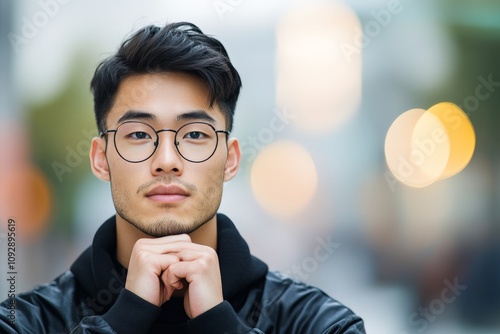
x: 221, y: 319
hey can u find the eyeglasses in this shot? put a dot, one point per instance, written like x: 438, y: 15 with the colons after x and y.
x: 136, y: 141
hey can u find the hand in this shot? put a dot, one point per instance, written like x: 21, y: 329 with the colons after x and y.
x: 158, y: 267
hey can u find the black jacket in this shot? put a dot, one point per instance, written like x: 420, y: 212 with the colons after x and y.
x: 90, y: 298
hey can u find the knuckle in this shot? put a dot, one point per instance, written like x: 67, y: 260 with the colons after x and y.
x: 142, y: 255
x: 211, y: 253
x: 139, y: 244
x: 203, y: 264
x: 207, y: 259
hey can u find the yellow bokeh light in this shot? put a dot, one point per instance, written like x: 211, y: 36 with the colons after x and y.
x: 422, y: 147
x: 416, y: 158
x: 461, y: 134
x: 284, y: 179
x: 315, y: 79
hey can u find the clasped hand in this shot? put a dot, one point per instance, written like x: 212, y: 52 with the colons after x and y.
x: 158, y: 267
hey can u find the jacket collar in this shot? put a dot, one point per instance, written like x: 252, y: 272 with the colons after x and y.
x: 102, y: 278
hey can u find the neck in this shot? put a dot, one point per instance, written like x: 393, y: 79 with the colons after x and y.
x: 127, y: 235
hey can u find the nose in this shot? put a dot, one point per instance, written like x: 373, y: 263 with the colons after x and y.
x: 166, y: 158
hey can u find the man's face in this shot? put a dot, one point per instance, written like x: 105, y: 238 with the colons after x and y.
x: 165, y: 194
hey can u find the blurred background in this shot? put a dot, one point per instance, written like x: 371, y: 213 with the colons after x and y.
x: 317, y: 197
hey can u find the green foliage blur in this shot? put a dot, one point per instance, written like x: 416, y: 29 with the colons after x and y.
x: 57, y: 129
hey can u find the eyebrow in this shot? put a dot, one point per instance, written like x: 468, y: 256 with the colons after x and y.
x: 136, y: 114
x: 194, y: 115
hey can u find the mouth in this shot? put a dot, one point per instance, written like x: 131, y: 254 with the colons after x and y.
x: 167, y: 194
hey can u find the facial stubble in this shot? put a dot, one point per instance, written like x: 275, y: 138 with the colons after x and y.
x: 204, y: 210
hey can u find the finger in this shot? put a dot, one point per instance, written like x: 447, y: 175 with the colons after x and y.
x: 161, y: 245
x: 191, y: 271
x: 168, y: 239
x: 171, y: 282
x: 147, y: 261
x: 143, y: 277
x: 165, y: 240
x: 205, y: 287
x: 188, y: 251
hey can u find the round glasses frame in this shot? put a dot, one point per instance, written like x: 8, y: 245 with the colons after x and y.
x: 157, y: 141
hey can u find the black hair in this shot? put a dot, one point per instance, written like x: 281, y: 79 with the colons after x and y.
x: 176, y: 47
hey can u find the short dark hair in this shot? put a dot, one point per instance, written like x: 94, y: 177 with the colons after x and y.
x: 176, y: 47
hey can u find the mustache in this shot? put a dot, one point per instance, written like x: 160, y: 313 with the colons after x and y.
x: 166, y: 180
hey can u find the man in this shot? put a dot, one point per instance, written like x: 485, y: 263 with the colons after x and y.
x: 168, y: 262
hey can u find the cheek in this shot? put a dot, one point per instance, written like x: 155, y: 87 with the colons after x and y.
x: 213, y: 179
x: 125, y: 176
x: 119, y: 183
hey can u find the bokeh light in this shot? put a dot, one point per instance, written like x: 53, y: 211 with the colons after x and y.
x: 422, y: 147
x: 409, y: 157
x: 30, y: 201
x: 397, y: 242
x: 318, y: 65
x: 284, y: 179
x: 461, y: 135
x: 25, y: 194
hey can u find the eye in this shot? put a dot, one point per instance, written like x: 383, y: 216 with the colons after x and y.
x: 195, y: 135
x: 139, y: 135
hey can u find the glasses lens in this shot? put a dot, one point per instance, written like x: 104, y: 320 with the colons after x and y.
x: 135, y: 141
x: 196, y: 142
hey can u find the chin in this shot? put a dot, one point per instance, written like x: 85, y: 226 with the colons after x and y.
x: 163, y: 227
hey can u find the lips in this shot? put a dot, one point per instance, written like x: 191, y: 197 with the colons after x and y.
x: 167, y: 194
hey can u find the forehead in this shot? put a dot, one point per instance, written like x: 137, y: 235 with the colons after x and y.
x: 166, y: 97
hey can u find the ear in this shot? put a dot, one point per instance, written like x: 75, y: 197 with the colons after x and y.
x: 233, y: 159
x: 98, y: 161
